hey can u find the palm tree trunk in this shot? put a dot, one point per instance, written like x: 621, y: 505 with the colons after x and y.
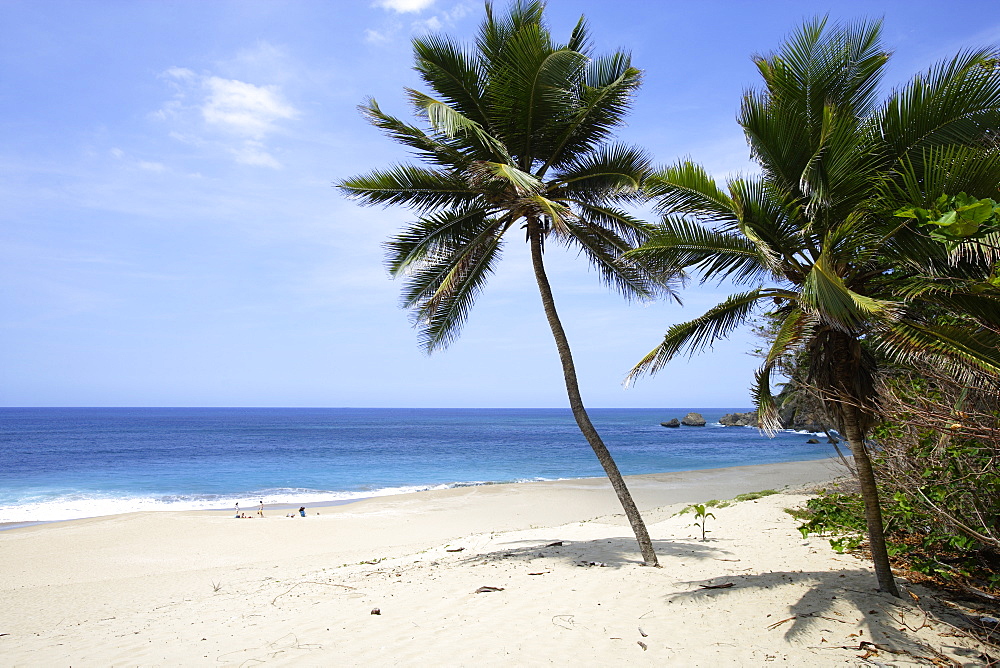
x: 576, y: 401
x: 869, y: 492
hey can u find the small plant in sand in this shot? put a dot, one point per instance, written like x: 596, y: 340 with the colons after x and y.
x: 216, y: 586
x: 701, y: 515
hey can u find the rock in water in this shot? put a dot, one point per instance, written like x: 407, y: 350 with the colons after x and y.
x: 693, y: 420
x: 739, y: 419
x: 673, y: 423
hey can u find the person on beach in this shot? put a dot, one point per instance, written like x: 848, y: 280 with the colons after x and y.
x: 260, y: 511
x: 302, y: 511
x: 237, y: 509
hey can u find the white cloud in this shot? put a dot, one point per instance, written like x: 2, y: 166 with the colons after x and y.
x: 402, y: 6
x: 244, y: 108
x: 234, y: 116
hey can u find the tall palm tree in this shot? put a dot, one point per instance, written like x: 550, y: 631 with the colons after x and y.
x: 516, y: 138
x: 815, y: 237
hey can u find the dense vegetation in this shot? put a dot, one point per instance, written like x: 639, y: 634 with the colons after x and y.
x: 936, y: 455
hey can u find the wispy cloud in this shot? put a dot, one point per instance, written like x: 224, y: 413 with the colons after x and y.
x: 147, y: 165
x: 253, y: 153
x: 236, y: 115
x: 376, y: 37
x: 433, y: 24
x: 152, y: 166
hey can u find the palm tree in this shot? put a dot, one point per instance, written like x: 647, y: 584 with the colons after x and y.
x: 814, y: 236
x: 516, y: 138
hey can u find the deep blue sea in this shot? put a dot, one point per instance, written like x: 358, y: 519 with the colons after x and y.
x: 65, y: 463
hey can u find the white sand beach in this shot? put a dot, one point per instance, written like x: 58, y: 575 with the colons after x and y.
x: 522, y: 574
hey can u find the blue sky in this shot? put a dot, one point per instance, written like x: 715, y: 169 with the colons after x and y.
x: 170, y: 235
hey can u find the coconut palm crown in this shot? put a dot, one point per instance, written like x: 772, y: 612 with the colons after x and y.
x: 514, y: 137
x: 814, y: 236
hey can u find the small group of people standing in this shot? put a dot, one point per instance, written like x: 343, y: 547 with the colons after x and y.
x: 260, y: 510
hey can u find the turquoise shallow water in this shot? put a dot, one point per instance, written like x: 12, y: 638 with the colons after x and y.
x: 65, y: 463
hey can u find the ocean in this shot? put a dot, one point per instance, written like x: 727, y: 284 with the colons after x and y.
x: 69, y: 463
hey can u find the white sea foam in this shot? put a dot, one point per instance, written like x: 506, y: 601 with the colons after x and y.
x: 801, y: 432
x: 80, y: 506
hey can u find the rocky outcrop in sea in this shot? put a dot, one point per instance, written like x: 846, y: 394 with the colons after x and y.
x: 797, y: 419
x: 689, y: 420
x: 739, y: 419
x: 693, y: 420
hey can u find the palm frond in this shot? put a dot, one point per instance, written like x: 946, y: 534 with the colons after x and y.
x: 803, y: 127
x: 763, y: 399
x: 922, y: 176
x: 955, y: 102
x: 982, y: 307
x: 825, y: 295
x: 677, y: 244
x: 686, y: 188
x: 951, y: 345
x: 442, y: 288
x: 436, y: 150
x: 452, y: 123
x: 579, y: 39
x: 602, y: 99
x: 839, y: 65
x: 771, y: 219
x: 605, y: 249
x: 794, y: 329
x: 495, y: 31
x: 503, y: 177
x: 550, y: 97
x: 856, y: 242
x: 434, y: 235
x: 611, y: 173
x: 527, y: 81
x: 453, y: 73
x: 418, y: 188
x: 631, y: 230
x: 700, y: 333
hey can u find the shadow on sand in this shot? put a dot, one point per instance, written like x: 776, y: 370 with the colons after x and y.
x: 843, y: 597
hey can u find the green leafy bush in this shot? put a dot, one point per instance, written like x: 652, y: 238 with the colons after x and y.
x: 953, y: 218
x: 936, y: 458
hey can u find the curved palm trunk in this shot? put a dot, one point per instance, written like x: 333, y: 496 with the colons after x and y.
x: 845, y: 376
x: 869, y: 492
x: 576, y: 401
